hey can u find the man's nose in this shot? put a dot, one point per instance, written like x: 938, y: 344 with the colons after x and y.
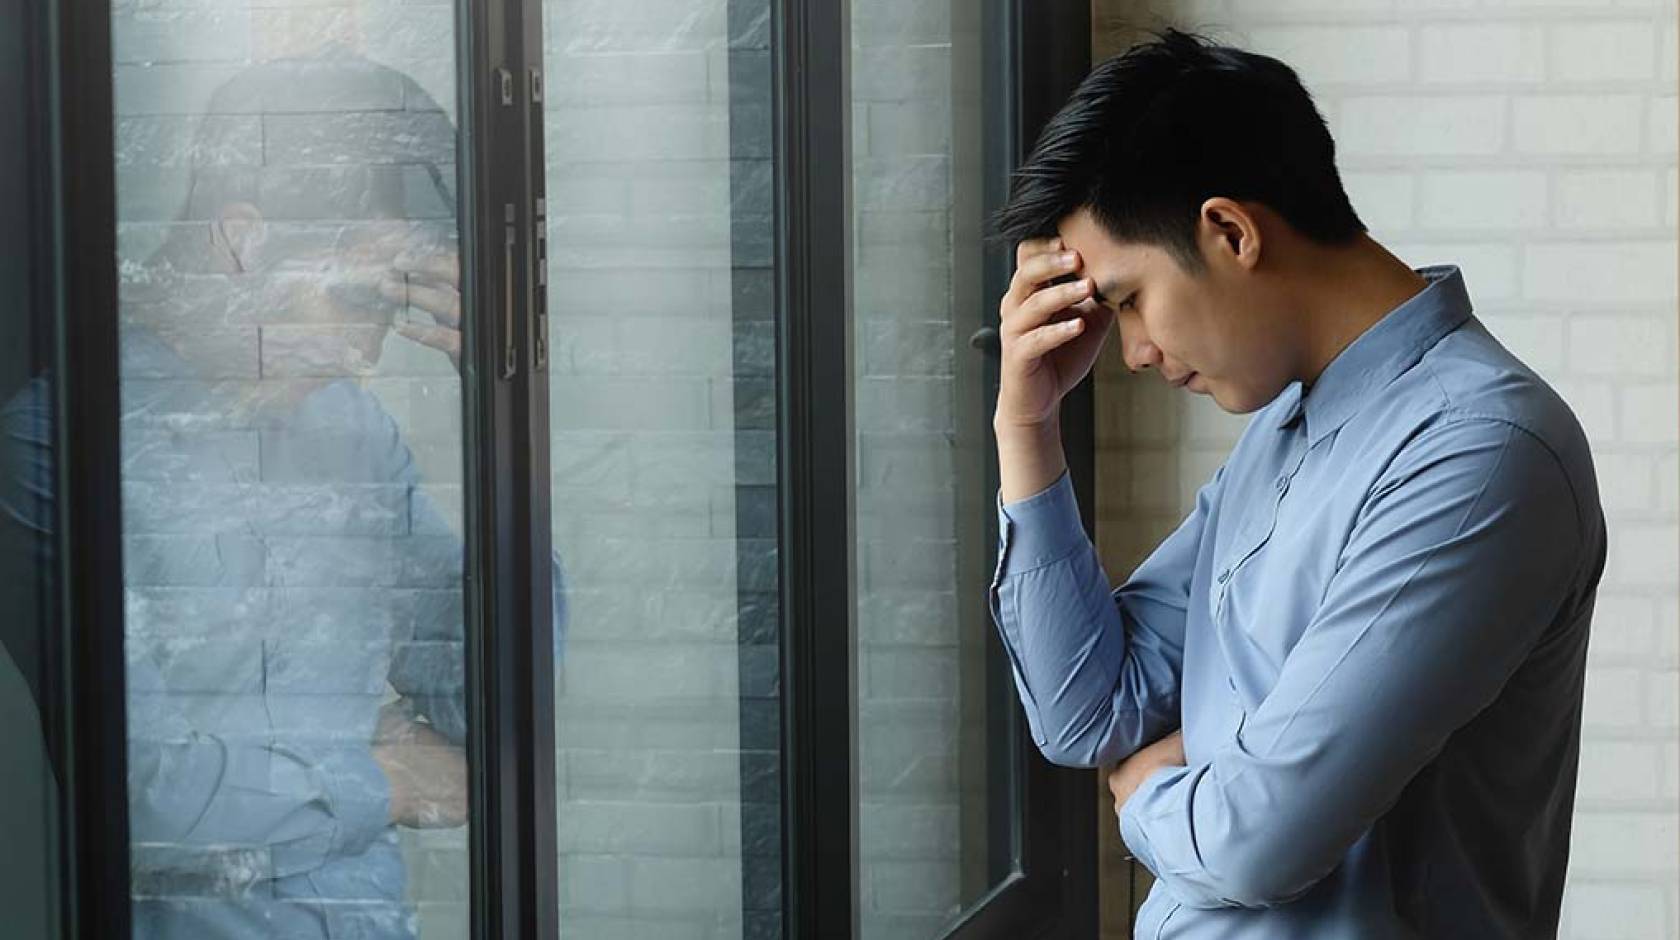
x: 1140, y: 353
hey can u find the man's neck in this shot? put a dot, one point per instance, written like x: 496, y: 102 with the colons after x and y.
x: 1351, y: 289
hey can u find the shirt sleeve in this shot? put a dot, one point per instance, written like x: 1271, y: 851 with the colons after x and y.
x: 428, y: 663
x: 1466, y: 549
x: 1098, y: 669
x: 239, y: 807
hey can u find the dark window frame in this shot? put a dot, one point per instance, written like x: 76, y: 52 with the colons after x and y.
x: 510, y: 669
x: 84, y: 693
x: 810, y: 54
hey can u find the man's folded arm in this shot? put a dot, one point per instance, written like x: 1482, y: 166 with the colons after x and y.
x: 197, y: 800
x: 1466, y: 549
x: 1098, y: 669
x: 195, y: 797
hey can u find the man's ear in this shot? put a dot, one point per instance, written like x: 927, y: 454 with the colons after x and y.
x: 236, y: 233
x: 1227, y: 228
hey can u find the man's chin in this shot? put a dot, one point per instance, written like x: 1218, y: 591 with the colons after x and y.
x: 1221, y: 396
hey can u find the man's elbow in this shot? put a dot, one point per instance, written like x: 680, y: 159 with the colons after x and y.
x: 1065, y: 756
x: 1093, y: 740
x: 1080, y: 752
x: 1259, y: 880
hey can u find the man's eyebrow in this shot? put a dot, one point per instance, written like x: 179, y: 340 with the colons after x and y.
x: 1110, y: 288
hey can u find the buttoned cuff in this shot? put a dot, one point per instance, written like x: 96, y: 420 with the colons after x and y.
x: 358, y: 797
x: 1131, y: 822
x: 1039, y: 529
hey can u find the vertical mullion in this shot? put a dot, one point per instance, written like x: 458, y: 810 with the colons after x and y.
x: 482, y: 56
x: 535, y: 666
x: 510, y: 674
x: 811, y: 51
x: 481, y: 44
x: 1000, y: 135
x: 91, y: 729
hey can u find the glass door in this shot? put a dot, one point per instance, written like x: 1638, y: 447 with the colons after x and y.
x: 291, y: 320
x: 663, y: 441
x: 936, y: 757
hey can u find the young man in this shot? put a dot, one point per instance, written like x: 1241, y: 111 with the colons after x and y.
x: 1345, y: 694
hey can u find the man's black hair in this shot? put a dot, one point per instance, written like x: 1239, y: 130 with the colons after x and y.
x: 1152, y: 133
x: 397, y: 173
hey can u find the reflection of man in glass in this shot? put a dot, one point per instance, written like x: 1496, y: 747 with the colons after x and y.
x: 294, y: 617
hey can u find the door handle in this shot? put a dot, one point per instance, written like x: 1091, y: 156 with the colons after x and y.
x: 510, y: 244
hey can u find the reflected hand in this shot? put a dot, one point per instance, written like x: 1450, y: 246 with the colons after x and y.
x: 431, y: 283
x: 1130, y: 773
x: 427, y: 774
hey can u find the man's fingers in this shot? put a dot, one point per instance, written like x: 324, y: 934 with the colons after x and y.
x: 438, y: 337
x: 1037, y: 343
x: 1046, y: 303
x: 1034, y: 246
x: 444, y: 267
x: 442, y: 303
x: 1034, y: 271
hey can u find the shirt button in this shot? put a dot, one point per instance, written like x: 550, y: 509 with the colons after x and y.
x: 1283, y: 483
x: 1223, y: 575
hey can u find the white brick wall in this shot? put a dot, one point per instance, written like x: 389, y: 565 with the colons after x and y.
x: 1533, y: 142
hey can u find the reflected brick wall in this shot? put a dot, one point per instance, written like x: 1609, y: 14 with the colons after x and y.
x: 248, y: 536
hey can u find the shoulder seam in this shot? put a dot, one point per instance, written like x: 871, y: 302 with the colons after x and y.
x: 1464, y: 415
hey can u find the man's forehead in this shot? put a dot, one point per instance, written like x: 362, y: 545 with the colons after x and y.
x: 1115, y: 266
x: 1081, y: 232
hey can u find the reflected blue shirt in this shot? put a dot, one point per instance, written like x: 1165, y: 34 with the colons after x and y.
x: 274, y: 594
x: 1371, y: 627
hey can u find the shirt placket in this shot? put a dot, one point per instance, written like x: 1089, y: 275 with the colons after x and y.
x: 1279, y: 487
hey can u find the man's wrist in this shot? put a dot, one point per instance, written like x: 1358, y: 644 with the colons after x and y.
x: 1030, y: 458
x: 1133, y: 779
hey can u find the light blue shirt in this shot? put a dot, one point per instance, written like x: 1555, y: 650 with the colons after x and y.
x: 1372, y: 628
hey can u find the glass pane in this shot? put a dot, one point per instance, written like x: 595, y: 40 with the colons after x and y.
x: 292, y: 459
x: 935, y: 828
x: 663, y: 450
x: 28, y: 471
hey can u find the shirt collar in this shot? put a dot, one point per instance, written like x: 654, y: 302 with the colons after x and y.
x: 1377, y: 356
